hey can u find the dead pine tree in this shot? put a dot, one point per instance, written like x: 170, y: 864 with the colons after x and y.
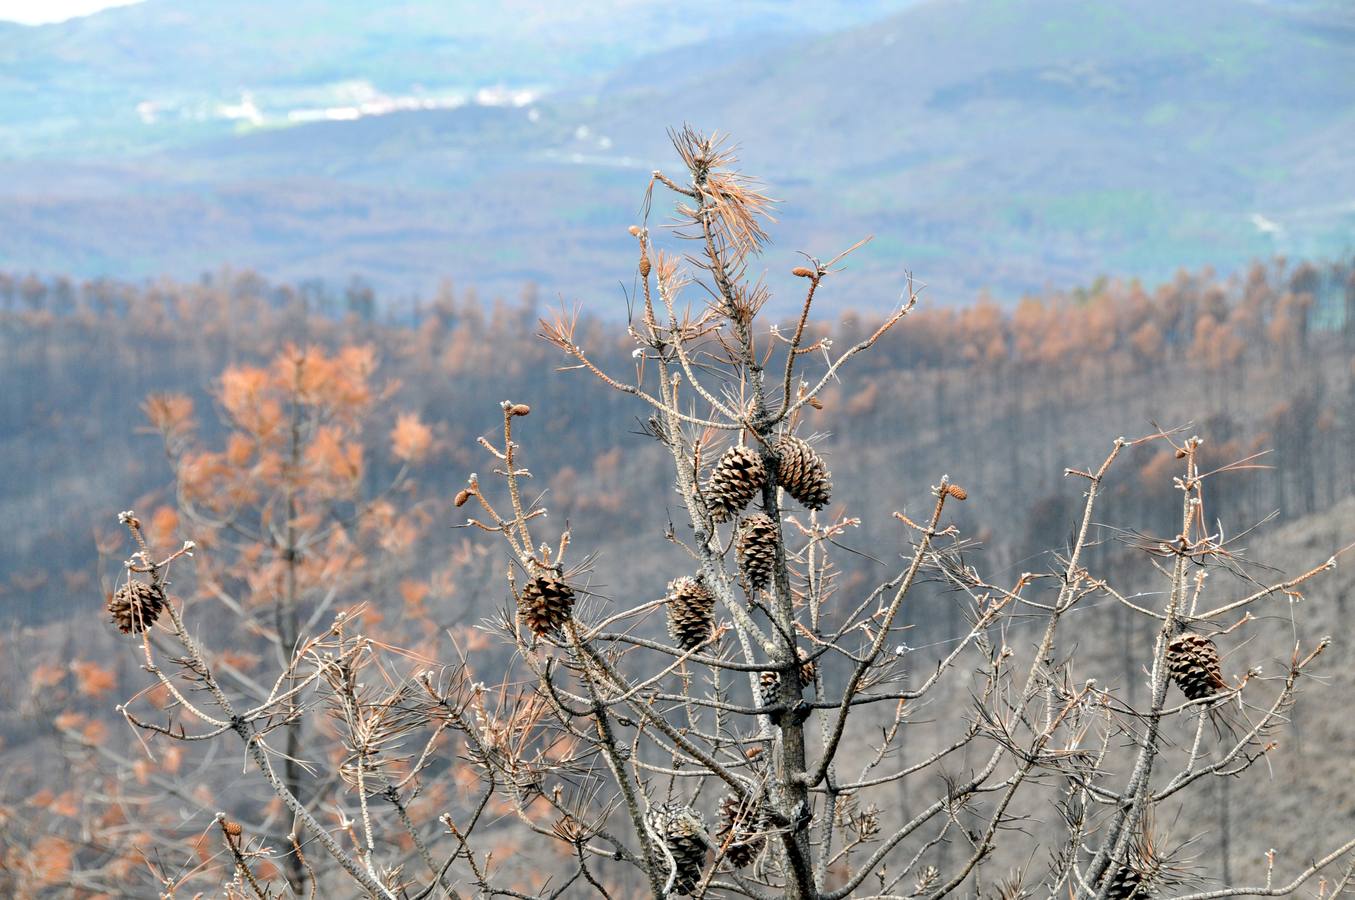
x: 746, y: 729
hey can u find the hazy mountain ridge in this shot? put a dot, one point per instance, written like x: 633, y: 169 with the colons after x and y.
x: 165, y: 71
x: 976, y: 138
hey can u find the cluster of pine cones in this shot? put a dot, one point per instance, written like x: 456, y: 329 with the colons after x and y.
x: 741, y: 831
x: 740, y: 474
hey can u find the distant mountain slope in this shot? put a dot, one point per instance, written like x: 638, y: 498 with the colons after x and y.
x: 987, y: 144
x: 165, y: 70
x: 1053, y: 139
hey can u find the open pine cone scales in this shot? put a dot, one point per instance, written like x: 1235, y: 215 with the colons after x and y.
x: 769, y: 681
x: 757, y: 549
x: 679, y: 827
x: 802, y: 472
x: 135, y: 606
x: 1193, y: 663
x: 739, y: 827
x: 691, y: 611
x: 807, y: 669
x: 545, y: 603
x: 735, y: 480
x: 1125, y: 883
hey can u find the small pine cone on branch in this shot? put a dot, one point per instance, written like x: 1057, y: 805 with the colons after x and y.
x: 734, y: 481
x: 135, y: 606
x: 545, y: 603
x: 691, y: 611
x: 1126, y: 883
x: 1144, y: 873
x: 807, y: 669
x: 769, y: 681
x: 757, y: 549
x: 742, y: 822
x: 802, y: 472
x: 767, y: 685
x: 1193, y: 663
x: 679, y: 827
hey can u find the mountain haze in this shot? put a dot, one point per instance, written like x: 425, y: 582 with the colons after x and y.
x: 165, y: 71
x: 987, y: 144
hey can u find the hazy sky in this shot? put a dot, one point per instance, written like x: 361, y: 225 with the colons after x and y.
x: 36, y: 12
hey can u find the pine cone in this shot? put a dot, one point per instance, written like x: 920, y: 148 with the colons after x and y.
x: 742, y: 822
x: 807, y: 668
x: 767, y: 685
x: 757, y: 549
x: 691, y: 611
x: 679, y: 827
x: 1193, y: 663
x: 736, y: 478
x: 802, y: 472
x: 135, y: 606
x: 769, y: 681
x: 545, y: 603
x: 1125, y: 884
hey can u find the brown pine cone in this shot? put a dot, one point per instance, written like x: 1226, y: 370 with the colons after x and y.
x: 757, y: 549
x: 802, y: 472
x: 135, y: 606
x: 1193, y: 663
x: 691, y: 611
x: 545, y: 603
x: 734, y: 481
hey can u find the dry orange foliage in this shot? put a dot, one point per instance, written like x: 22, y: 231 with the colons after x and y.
x: 46, y: 675
x: 337, y: 463
x: 240, y: 449
x: 410, y: 438
x: 50, y: 860
x: 170, y: 414
x: 42, y: 798
x: 163, y: 525
x: 95, y: 732
x: 92, y: 679
x: 245, y: 397
x: 69, y: 721
x: 171, y: 758
x: 65, y: 805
